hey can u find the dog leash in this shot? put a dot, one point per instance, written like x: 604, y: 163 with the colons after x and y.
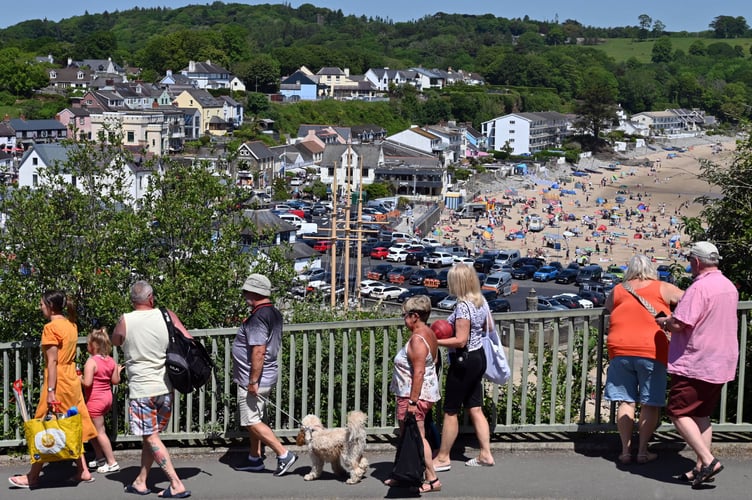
x: 269, y: 402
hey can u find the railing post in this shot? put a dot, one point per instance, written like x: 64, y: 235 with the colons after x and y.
x: 531, y: 301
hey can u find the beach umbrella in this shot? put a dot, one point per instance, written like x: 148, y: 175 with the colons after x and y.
x: 602, y: 227
x: 641, y: 206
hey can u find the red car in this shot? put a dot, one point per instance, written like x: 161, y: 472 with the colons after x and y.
x: 322, y: 245
x: 378, y: 253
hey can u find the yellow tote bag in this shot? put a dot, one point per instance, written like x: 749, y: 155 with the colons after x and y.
x: 54, y: 440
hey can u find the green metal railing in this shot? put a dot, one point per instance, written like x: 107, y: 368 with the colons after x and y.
x: 558, y: 361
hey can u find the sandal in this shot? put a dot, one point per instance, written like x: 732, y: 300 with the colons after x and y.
x: 707, y: 473
x: 688, y: 477
x: 430, y: 486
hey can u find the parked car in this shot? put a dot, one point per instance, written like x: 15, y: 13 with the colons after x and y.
x: 484, y: 264
x: 379, y: 272
x: 421, y: 274
x: 664, y: 273
x: 319, y: 210
x: 597, y: 298
x: 617, y: 271
x: 386, y: 292
x: 380, y: 253
x: 449, y: 302
x: 529, y: 261
x: 584, y: 303
x: 551, y: 304
x: 499, y: 305
x: 567, y: 276
x: 397, y: 255
x: 545, y: 273
x: 430, y: 242
x: 439, y: 259
x: 367, y: 285
x: 489, y: 295
x: 314, y: 273
x: 400, y: 274
x: 570, y: 300
x: 524, y: 272
x: 412, y: 292
x: 437, y: 296
x: 458, y: 259
x: 323, y: 245
x: 609, y: 279
x: 415, y: 257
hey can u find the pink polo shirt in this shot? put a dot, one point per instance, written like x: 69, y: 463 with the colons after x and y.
x: 708, y: 348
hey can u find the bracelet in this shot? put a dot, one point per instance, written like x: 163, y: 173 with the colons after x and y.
x: 412, y: 403
x: 253, y: 382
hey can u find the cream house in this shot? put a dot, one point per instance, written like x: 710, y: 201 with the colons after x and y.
x: 215, y: 119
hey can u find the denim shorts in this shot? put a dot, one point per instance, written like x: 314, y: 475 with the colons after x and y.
x: 636, y: 380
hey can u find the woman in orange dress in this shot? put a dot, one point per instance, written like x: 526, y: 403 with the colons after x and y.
x: 61, y: 382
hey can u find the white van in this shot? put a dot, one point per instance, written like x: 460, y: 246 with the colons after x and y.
x: 507, y: 257
x: 500, y: 282
x: 292, y: 219
x: 536, y: 223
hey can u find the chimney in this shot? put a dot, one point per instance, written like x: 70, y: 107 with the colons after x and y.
x: 169, y: 72
x: 191, y: 66
x: 347, y: 72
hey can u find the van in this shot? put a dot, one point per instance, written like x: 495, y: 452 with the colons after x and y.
x: 592, y: 272
x: 508, y: 257
x: 471, y: 210
x: 536, y: 223
x: 292, y: 219
x: 401, y: 237
x: 454, y: 250
x: 500, y: 282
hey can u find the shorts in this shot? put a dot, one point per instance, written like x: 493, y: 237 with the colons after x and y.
x: 420, y: 415
x: 635, y: 379
x: 464, y: 384
x: 689, y: 397
x: 150, y: 415
x: 252, y: 408
x: 99, y: 406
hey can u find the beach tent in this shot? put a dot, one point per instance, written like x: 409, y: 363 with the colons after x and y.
x: 638, y: 236
x: 641, y: 206
x: 600, y: 200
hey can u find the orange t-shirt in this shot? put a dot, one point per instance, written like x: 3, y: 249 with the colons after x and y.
x: 63, y: 334
x: 633, y: 330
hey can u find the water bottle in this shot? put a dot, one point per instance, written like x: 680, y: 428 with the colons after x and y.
x: 71, y: 411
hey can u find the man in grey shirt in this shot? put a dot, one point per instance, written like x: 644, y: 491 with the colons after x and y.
x: 255, y: 370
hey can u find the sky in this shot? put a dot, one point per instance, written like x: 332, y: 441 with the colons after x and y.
x: 676, y: 15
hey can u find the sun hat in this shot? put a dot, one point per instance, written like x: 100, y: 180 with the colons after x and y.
x: 258, y: 283
x: 704, y: 250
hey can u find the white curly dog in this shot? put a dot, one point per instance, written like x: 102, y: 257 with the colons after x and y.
x: 342, y: 447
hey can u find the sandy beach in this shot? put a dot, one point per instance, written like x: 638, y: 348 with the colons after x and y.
x: 645, y: 219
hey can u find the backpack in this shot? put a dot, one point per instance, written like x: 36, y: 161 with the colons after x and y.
x: 189, y: 366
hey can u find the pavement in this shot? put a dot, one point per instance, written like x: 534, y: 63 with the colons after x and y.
x: 559, y: 469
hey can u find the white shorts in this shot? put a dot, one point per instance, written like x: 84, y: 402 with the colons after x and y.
x: 252, y: 408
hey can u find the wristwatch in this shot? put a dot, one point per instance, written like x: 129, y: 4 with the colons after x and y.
x: 412, y: 403
x: 50, y: 389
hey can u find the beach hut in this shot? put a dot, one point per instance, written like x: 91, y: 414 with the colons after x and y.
x: 452, y: 200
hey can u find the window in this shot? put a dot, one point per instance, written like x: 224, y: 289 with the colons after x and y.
x: 131, y: 136
x: 511, y: 131
x: 35, y: 161
x: 511, y: 122
x: 35, y: 179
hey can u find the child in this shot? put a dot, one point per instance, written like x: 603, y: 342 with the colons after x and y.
x: 100, y: 372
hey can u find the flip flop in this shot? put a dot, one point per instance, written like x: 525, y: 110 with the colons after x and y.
x: 474, y: 462
x: 167, y: 493
x: 14, y: 484
x: 132, y: 489
x: 442, y: 468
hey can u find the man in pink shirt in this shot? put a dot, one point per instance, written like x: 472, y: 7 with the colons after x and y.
x: 702, y: 356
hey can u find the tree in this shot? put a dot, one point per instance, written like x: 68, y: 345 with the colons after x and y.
x: 18, y: 73
x: 260, y: 73
x: 596, y: 106
x: 729, y: 216
x: 698, y: 48
x: 658, y: 28
x: 645, y: 21
x: 729, y: 26
x: 662, y: 50
x: 93, y: 241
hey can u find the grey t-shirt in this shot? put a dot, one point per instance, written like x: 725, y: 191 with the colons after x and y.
x: 263, y: 326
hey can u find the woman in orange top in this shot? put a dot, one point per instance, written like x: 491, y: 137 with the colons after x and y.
x: 61, y: 382
x: 638, y: 353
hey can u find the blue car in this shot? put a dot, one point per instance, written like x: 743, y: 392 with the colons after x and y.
x: 546, y: 273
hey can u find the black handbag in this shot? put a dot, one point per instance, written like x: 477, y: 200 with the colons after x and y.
x: 410, y: 461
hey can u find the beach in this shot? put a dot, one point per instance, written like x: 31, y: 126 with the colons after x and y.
x: 607, y: 212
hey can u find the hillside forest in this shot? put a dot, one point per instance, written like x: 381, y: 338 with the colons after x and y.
x: 528, y: 65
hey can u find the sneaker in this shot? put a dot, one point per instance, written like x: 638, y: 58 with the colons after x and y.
x: 107, y: 468
x: 97, y: 463
x: 284, y: 464
x: 254, y: 464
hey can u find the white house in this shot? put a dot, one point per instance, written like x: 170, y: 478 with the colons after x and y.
x: 353, y: 163
x: 54, y: 155
x: 526, y: 133
x: 419, y: 139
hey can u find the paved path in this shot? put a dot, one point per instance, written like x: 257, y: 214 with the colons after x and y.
x: 562, y: 472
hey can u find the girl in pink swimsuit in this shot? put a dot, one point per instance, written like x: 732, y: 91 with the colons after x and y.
x: 100, y: 372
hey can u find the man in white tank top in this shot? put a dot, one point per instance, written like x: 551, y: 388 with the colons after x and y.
x: 142, y: 333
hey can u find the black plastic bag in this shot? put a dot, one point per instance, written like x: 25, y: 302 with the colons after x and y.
x: 410, y: 461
